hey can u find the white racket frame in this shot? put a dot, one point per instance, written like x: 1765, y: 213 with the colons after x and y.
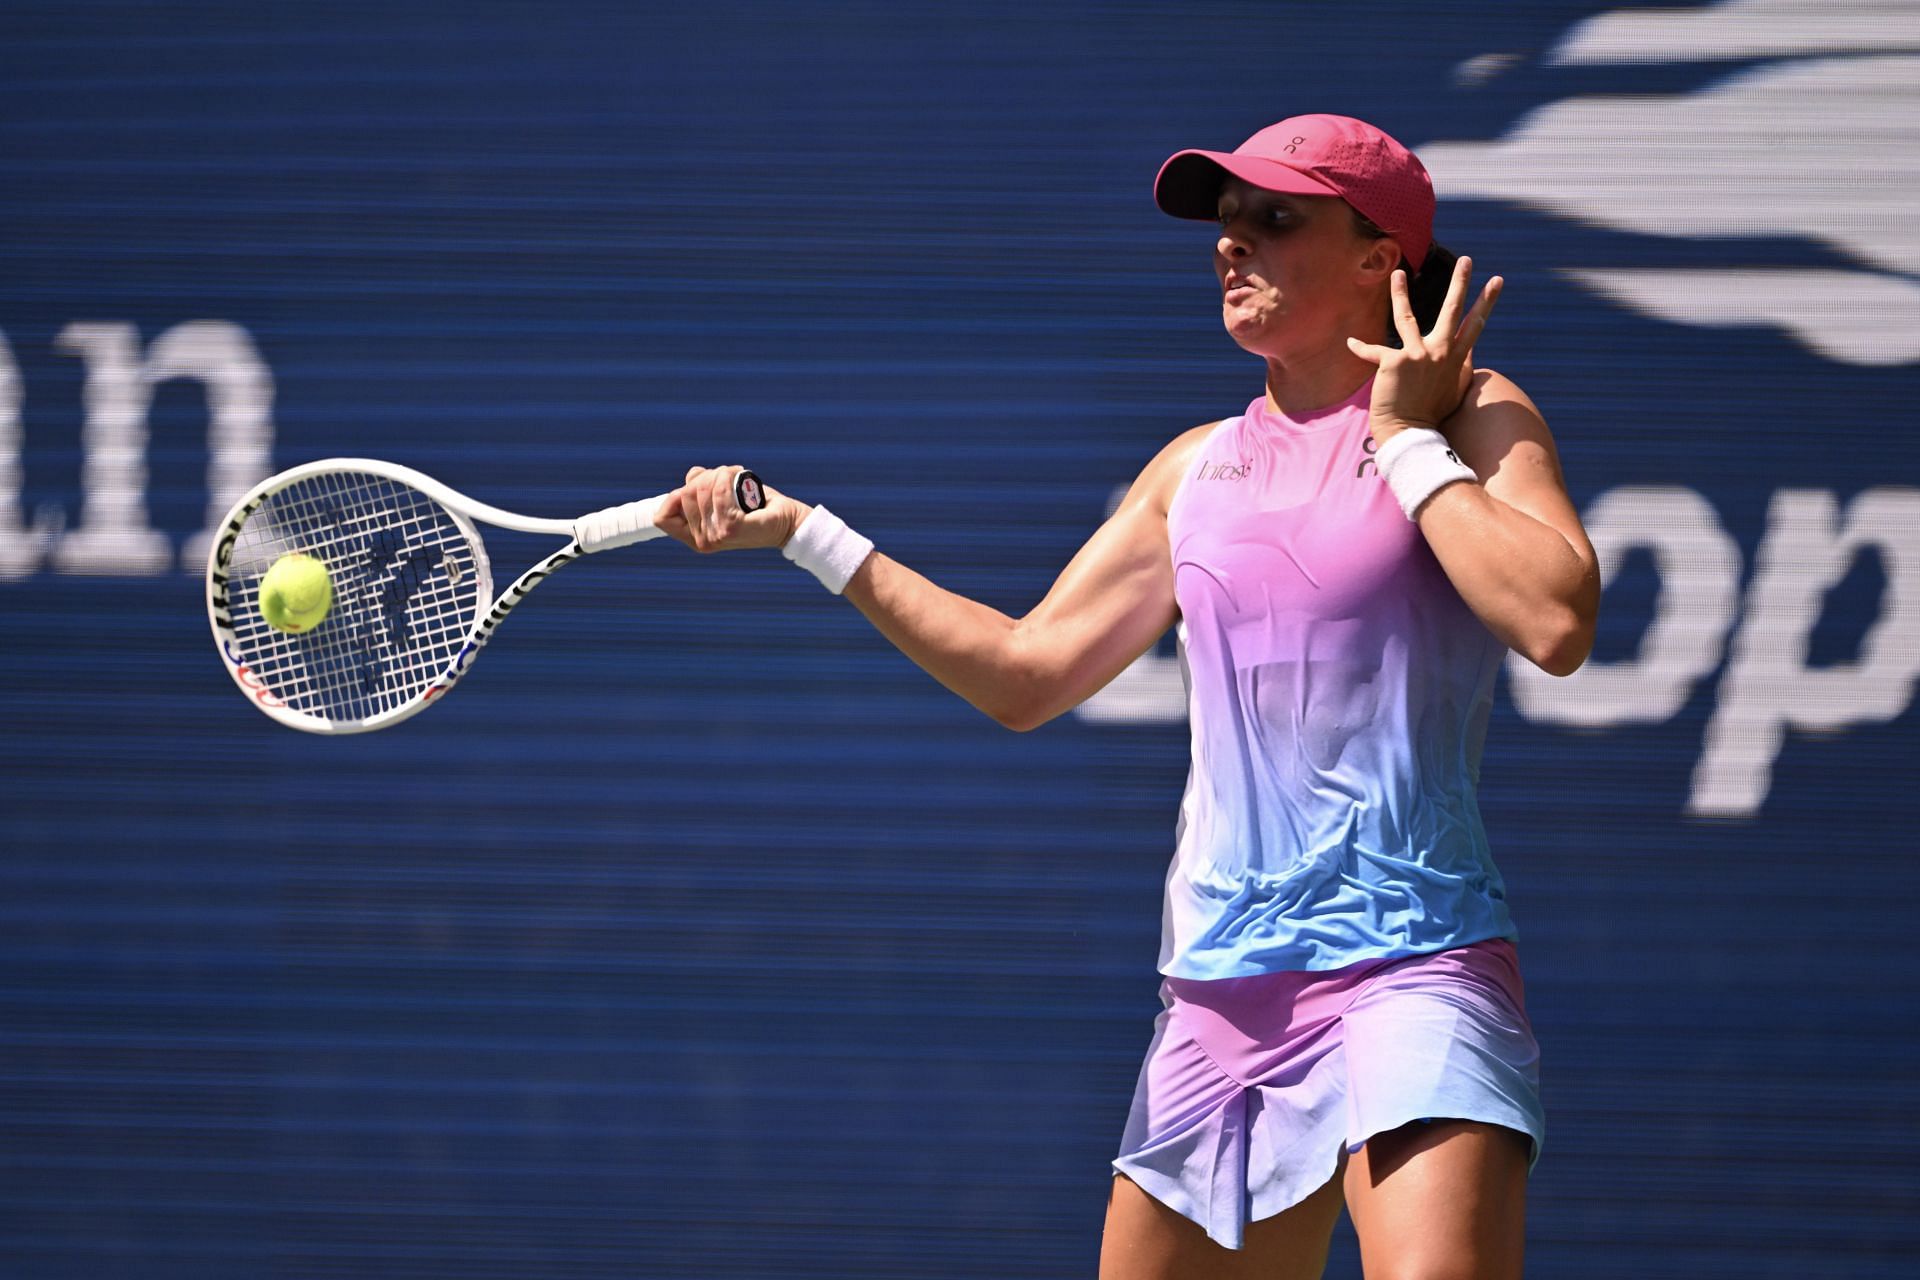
x: 597, y: 531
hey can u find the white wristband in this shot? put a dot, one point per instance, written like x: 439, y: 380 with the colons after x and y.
x: 1417, y: 463
x: 826, y: 548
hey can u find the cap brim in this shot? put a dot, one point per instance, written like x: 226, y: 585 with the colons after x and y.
x: 1189, y: 182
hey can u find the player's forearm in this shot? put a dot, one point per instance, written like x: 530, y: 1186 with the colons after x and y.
x: 1522, y: 577
x: 1110, y: 604
x: 965, y: 645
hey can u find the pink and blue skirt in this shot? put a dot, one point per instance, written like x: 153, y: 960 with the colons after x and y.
x: 1252, y: 1086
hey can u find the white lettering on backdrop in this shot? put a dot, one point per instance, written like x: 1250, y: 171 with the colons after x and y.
x: 114, y: 535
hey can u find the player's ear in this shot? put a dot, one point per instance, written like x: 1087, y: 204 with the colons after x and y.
x: 1380, y: 257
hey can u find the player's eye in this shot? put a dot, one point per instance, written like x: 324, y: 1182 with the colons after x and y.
x: 1275, y: 216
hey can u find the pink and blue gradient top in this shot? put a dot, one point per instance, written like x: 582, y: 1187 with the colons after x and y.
x: 1338, y: 691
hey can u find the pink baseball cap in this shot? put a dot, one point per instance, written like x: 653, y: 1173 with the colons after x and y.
x: 1313, y: 156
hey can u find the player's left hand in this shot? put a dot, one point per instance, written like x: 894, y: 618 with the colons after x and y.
x: 704, y: 514
x: 1422, y: 382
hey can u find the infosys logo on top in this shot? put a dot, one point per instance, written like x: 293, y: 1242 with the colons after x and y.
x: 1224, y: 470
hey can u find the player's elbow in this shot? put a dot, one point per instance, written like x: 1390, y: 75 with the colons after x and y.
x: 1560, y: 641
x: 1037, y: 694
x: 1021, y: 701
x: 1022, y: 715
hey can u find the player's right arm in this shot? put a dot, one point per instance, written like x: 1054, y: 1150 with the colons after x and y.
x: 1110, y: 604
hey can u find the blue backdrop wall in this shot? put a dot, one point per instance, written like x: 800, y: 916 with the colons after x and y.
x: 700, y: 933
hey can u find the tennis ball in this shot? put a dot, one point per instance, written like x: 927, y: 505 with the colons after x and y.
x: 296, y: 594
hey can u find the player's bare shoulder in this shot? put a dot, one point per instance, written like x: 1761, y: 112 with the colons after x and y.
x: 1494, y: 420
x: 1161, y: 477
x: 1491, y: 387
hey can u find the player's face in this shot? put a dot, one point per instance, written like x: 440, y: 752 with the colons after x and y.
x: 1291, y: 267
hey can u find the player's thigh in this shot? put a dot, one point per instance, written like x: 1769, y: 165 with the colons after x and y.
x: 1441, y: 1200
x: 1145, y: 1240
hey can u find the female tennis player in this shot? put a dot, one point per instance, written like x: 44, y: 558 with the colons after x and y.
x: 1347, y: 561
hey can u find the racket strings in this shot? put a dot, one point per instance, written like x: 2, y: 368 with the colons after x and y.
x: 408, y: 583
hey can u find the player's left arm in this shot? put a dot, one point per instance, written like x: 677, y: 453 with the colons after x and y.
x: 1513, y: 544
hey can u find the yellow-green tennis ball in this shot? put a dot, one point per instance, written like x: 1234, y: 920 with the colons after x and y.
x: 296, y: 594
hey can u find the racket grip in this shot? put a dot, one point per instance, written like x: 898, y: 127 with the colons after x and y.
x: 619, y: 526
x: 633, y: 522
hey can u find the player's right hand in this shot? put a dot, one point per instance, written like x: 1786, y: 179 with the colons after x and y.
x: 703, y: 514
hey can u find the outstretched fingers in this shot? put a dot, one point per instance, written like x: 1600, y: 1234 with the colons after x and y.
x: 1403, y: 318
x: 1476, y: 321
x: 1373, y: 353
x: 1458, y: 289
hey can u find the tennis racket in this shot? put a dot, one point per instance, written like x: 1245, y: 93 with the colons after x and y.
x: 413, y: 600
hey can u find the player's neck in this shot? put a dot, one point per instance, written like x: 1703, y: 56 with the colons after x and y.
x: 1301, y: 385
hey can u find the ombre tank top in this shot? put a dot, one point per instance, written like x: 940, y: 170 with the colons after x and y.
x: 1338, y: 691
